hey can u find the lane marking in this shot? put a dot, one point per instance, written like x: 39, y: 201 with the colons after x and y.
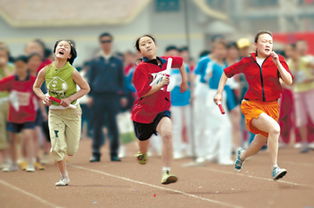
x: 43, y: 201
x: 295, y: 163
x: 157, y: 187
x: 257, y: 177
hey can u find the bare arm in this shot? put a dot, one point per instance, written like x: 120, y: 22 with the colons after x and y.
x: 84, y: 89
x: 221, y: 86
x: 184, y: 84
x: 38, y: 83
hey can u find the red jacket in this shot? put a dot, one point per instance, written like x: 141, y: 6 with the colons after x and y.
x: 25, y: 98
x: 263, y: 81
x: 145, y: 109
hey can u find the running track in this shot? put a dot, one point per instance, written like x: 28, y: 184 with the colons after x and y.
x: 130, y: 185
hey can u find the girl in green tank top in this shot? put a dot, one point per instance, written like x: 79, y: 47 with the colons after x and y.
x: 62, y: 79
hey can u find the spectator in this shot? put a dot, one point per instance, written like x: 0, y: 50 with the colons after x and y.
x: 106, y: 78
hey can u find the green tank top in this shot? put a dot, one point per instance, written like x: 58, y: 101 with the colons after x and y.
x: 59, y: 81
x: 2, y: 75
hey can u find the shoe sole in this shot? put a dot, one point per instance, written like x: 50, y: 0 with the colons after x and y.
x: 92, y: 161
x: 170, y: 179
x: 63, y: 185
x: 140, y: 160
x: 239, y: 169
x: 280, y: 175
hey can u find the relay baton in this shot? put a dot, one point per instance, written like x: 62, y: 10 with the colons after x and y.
x: 222, y: 110
x: 167, y: 73
x: 59, y: 101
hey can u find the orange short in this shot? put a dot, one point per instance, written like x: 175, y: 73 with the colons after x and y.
x: 252, y: 109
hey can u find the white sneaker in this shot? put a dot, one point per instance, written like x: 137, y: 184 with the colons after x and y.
x: 200, y: 160
x: 63, y: 182
x: 10, y: 168
x: 226, y: 162
x: 177, y: 155
x: 30, y: 168
x: 297, y: 145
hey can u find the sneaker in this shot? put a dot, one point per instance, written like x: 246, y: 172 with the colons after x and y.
x: 39, y: 166
x: 63, y: 182
x: 225, y: 162
x: 22, y: 164
x: 297, y: 145
x: 30, y: 168
x: 177, y: 155
x: 141, y: 158
x: 305, y: 149
x: 10, y: 168
x: 278, y: 173
x: 167, y: 178
x: 95, y: 157
x: 115, y: 159
x: 238, y: 162
x: 200, y: 160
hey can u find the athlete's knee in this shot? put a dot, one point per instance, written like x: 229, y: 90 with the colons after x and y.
x: 166, y: 135
x: 275, y: 129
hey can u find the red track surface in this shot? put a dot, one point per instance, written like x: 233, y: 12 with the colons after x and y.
x: 130, y: 185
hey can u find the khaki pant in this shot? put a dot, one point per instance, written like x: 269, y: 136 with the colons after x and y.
x: 4, y: 109
x: 65, y: 131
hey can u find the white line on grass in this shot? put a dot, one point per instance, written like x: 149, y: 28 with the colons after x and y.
x: 157, y: 187
x: 256, y: 177
x: 43, y: 201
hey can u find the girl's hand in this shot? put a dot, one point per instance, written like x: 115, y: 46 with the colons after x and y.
x: 184, y: 86
x: 45, y: 99
x: 218, y: 98
x: 164, y: 81
x: 65, y: 102
x: 275, y: 57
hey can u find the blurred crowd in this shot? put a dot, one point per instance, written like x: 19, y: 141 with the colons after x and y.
x: 200, y: 131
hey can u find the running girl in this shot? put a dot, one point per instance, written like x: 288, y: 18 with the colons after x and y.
x: 150, y: 113
x: 263, y: 71
x: 64, y: 122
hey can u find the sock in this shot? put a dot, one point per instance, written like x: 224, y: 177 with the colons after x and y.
x: 166, y: 169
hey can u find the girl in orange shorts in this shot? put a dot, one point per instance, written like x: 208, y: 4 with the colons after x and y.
x: 263, y: 71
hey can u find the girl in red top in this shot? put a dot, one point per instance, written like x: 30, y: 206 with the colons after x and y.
x: 263, y: 71
x: 22, y: 111
x: 150, y: 113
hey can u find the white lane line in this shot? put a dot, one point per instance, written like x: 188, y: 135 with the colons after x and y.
x: 157, y: 187
x: 295, y: 163
x: 257, y: 177
x: 43, y: 201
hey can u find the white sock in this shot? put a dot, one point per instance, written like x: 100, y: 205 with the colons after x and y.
x: 165, y: 169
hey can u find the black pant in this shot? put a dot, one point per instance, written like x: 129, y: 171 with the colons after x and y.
x: 105, y: 109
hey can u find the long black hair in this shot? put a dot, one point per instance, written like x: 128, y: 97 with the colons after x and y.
x: 72, y: 52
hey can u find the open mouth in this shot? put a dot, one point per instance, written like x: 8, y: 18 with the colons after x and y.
x: 267, y: 50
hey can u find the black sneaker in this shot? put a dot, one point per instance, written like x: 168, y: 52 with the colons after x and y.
x: 95, y: 157
x: 115, y: 159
